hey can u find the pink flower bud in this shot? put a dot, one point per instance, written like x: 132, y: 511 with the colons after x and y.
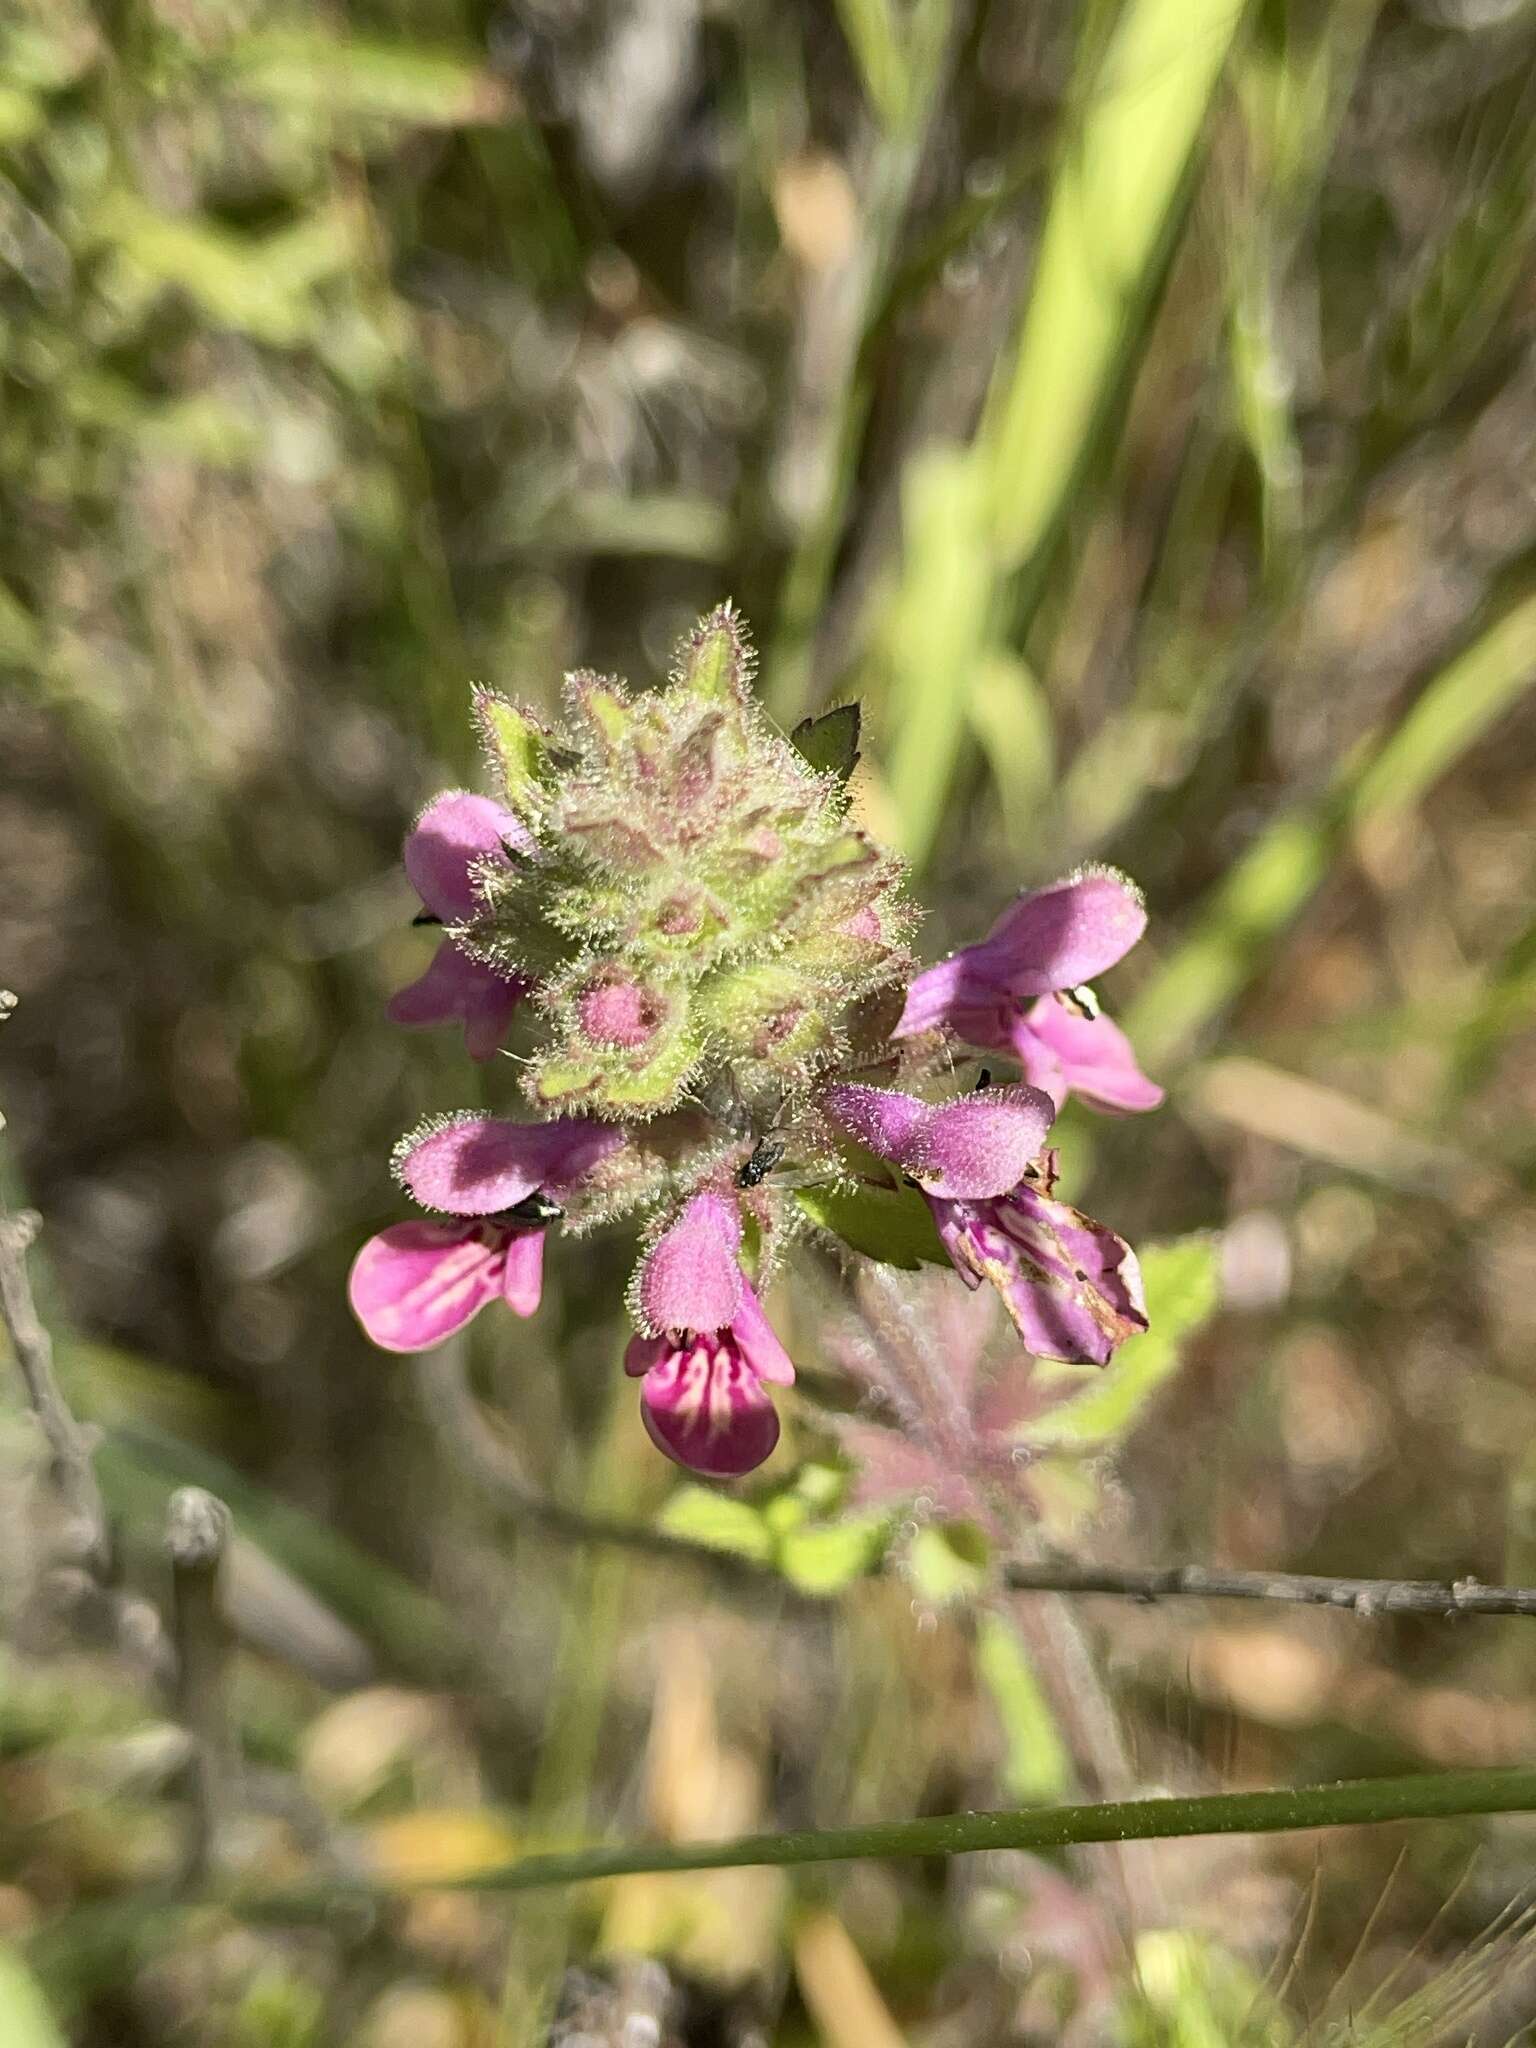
x: 624, y: 1014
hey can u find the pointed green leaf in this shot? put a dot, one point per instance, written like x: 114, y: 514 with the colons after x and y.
x: 893, y: 1225
x: 948, y: 1561
x: 830, y: 743
x: 828, y: 1556
x: 719, y: 1520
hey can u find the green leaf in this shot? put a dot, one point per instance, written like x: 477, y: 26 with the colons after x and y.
x: 1182, y: 1289
x: 948, y: 1561
x: 825, y: 1557
x: 258, y: 285
x: 377, y: 81
x: 1117, y: 191
x: 787, y: 1529
x: 25, y: 2021
x: 1035, y: 1765
x: 893, y: 1225
x: 830, y: 743
x: 720, y: 1521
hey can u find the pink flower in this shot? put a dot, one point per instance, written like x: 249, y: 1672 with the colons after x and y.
x: 483, y: 1165
x: 1003, y: 993
x: 453, y: 838
x: 416, y: 1283
x: 974, y: 1145
x: 706, y: 1349
x: 1071, y: 1286
x: 1064, y: 1052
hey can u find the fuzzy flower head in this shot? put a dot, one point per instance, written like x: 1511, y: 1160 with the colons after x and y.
x: 691, y: 898
x: 699, y: 956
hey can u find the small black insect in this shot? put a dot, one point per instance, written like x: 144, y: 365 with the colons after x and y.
x: 766, y: 1155
x: 537, y: 1208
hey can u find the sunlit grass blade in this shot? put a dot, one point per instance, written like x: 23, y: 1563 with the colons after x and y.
x: 895, y: 44
x: 932, y: 640
x: 1235, y: 932
x: 1011, y: 719
x: 1112, y: 202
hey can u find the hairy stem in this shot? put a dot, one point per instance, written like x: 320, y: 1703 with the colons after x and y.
x: 1364, y: 1597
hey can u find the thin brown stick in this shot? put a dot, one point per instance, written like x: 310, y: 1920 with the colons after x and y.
x: 196, y: 1535
x: 87, y: 1533
x: 1366, y: 1597
x: 486, y: 1453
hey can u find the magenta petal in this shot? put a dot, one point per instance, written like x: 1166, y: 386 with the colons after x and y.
x: 938, y: 993
x: 979, y: 1144
x: 704, y: 1406
x: 457, y: 989
x: 416, y: 1283
x: 758, y: 1344
x: 522, y: 1280
x: 1057, y: 937
x: 453, y: 834
x: 1040, y: 1066
x: 480, y: 1165
x: 641, y: 1353
x: 881, y: 1118
x: 691, y: 1279
x: 571, y: 1147
x: 1092, y: 1055
x: 1071, y: 1286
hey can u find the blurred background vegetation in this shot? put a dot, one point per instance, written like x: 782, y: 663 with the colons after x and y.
x: 1133, y: 403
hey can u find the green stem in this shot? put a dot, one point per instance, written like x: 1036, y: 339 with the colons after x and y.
x: 1351, y: 1803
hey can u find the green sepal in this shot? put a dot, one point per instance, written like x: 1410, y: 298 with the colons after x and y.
x: 715, y: 661
x: 517, y: 745
x: 609, y: 1088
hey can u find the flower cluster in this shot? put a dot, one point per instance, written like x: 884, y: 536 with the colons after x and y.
x: 708, y: 961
